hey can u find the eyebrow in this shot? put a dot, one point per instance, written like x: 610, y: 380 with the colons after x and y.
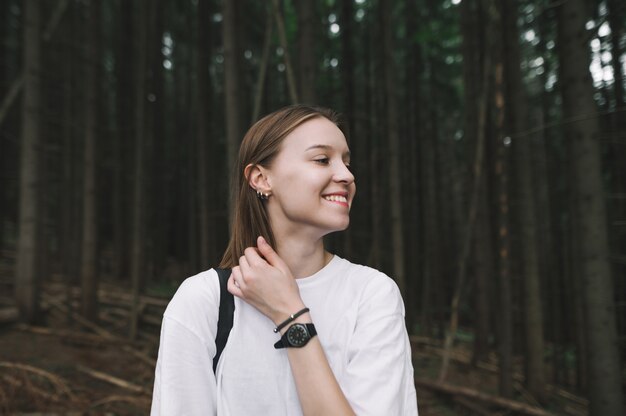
x: 326, y: 147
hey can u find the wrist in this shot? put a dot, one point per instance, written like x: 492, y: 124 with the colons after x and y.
x: 284, y: 313
x: 305, y: 318
x: 290, y: 318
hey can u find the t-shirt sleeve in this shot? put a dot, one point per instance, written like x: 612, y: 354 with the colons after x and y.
x: 379, y: 378
x: 184, y: 381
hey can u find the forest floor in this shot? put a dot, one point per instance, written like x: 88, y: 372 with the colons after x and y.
x: 69, y: 366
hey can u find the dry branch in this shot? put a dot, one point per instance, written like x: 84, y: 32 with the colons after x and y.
x: 83, y: 321
x: 282, y: 36
x: 107, y: 335
x: 59, y: 384
x: 9, y: 315
x: 267, y: 43
x: 480, y: 396
x: 140, y: 402
x: 418, y: 344
x: 18, y: 83
x: 473, y: 406
x: 113, y: 380
x: 17, y: 383
x: 142, y: 356
x: 471, y: 220
x: 71, y: 336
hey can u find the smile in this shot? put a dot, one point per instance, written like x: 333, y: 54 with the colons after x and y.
x: 338, y: 199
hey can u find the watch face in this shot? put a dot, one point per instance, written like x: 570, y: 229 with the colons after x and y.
x: 297, y: 335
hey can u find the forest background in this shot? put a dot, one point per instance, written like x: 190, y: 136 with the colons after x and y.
x: 489, y: 146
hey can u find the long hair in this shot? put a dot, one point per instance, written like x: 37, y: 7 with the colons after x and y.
x: 260, y: 146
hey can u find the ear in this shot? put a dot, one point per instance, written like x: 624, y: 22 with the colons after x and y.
x: 257, y: 178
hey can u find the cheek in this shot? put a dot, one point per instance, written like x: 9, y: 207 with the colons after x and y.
x: 301, y: 180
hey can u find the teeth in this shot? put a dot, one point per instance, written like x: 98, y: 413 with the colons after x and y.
x: 336, y: 198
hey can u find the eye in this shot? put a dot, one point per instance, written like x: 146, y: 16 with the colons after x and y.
x: 323, y: 161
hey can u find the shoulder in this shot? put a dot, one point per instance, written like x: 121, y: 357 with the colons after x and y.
x: 196, y: 302
x: 378, y: 290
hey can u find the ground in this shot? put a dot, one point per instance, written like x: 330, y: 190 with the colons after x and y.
x: 63, y: 366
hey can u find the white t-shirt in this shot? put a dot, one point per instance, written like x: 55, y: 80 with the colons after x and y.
x: 359, y: 317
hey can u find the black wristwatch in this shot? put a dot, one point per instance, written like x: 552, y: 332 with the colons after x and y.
x: 297, y: 336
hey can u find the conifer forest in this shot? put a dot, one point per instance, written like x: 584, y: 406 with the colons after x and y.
x: 488, y: 142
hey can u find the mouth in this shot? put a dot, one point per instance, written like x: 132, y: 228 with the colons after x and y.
x: 338, y: 199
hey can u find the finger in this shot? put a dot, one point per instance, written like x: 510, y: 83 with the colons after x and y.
x: 270, y: 255
x: 253, y: 257
x: 244, y: 266
x: 232, y: 288
x: 238, y: 279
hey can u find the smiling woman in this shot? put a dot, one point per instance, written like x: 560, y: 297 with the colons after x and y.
x: 312, y: 333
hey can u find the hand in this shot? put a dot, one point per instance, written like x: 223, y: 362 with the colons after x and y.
x: 264, y: 281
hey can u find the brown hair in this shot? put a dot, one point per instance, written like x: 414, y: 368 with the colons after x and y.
x: 260, y: 146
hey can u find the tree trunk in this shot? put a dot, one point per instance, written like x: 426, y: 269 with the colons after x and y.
x: 89, y: 278
x: 371, y: 104
x: 416, y: 132
x: 501, y: 172
x: 483, y: 262
x: 306, y: 50
x: 152, y: 123
x: 203, y: 94
x: 122, y: 141
x: 604, y: 382
x: 26, y: 280
x: 616, y: 22
x: 137, y: 245
x: 484, y: 270
x: 231, y: 85
x: 70, y: 246
x: 347, y: 76
x: 395, y: 181
x: 517, y: 121
x: 156, y: 154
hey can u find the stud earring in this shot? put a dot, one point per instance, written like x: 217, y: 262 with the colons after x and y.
x: 262, y: 196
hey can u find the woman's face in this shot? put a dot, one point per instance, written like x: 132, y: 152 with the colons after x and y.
x: 311, y: 184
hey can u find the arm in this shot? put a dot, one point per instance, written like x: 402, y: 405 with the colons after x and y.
x: 379, y: 375
x: 267, y: 284
x: 184, y: 382
x: 318, y: 390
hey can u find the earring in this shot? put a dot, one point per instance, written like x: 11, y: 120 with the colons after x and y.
x: 262, y: 196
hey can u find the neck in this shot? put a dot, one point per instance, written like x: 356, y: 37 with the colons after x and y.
x: 304, y: 257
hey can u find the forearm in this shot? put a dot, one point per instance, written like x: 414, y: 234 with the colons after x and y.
x: 317, y: 386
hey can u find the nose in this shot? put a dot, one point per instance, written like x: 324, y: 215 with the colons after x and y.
x: 343, y: 174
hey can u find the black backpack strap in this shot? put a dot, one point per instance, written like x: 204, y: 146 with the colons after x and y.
x: 225, y: 319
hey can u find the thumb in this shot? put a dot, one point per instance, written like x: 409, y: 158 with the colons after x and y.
x: 270, y: 255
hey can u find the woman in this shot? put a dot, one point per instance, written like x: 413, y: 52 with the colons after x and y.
x: 341, y: 343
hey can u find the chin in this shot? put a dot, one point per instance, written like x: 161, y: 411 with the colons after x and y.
x: 340, y: 226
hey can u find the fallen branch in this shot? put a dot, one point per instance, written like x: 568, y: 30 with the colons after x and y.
x: 57, y: 382
x: 125, y: 298
x: 83, y: 321
x: 68, y: 335
x: 113, y: 380
x: 141, y: 355
x: 127, y: 344
x: 483, y: 397
x: 17, y: 383
x: 419, y: 344
x: 140, y: 402
x: 474, y: 407
x: 9, y: 315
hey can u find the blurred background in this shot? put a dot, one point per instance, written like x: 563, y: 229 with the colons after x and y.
x: 489, y: 148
